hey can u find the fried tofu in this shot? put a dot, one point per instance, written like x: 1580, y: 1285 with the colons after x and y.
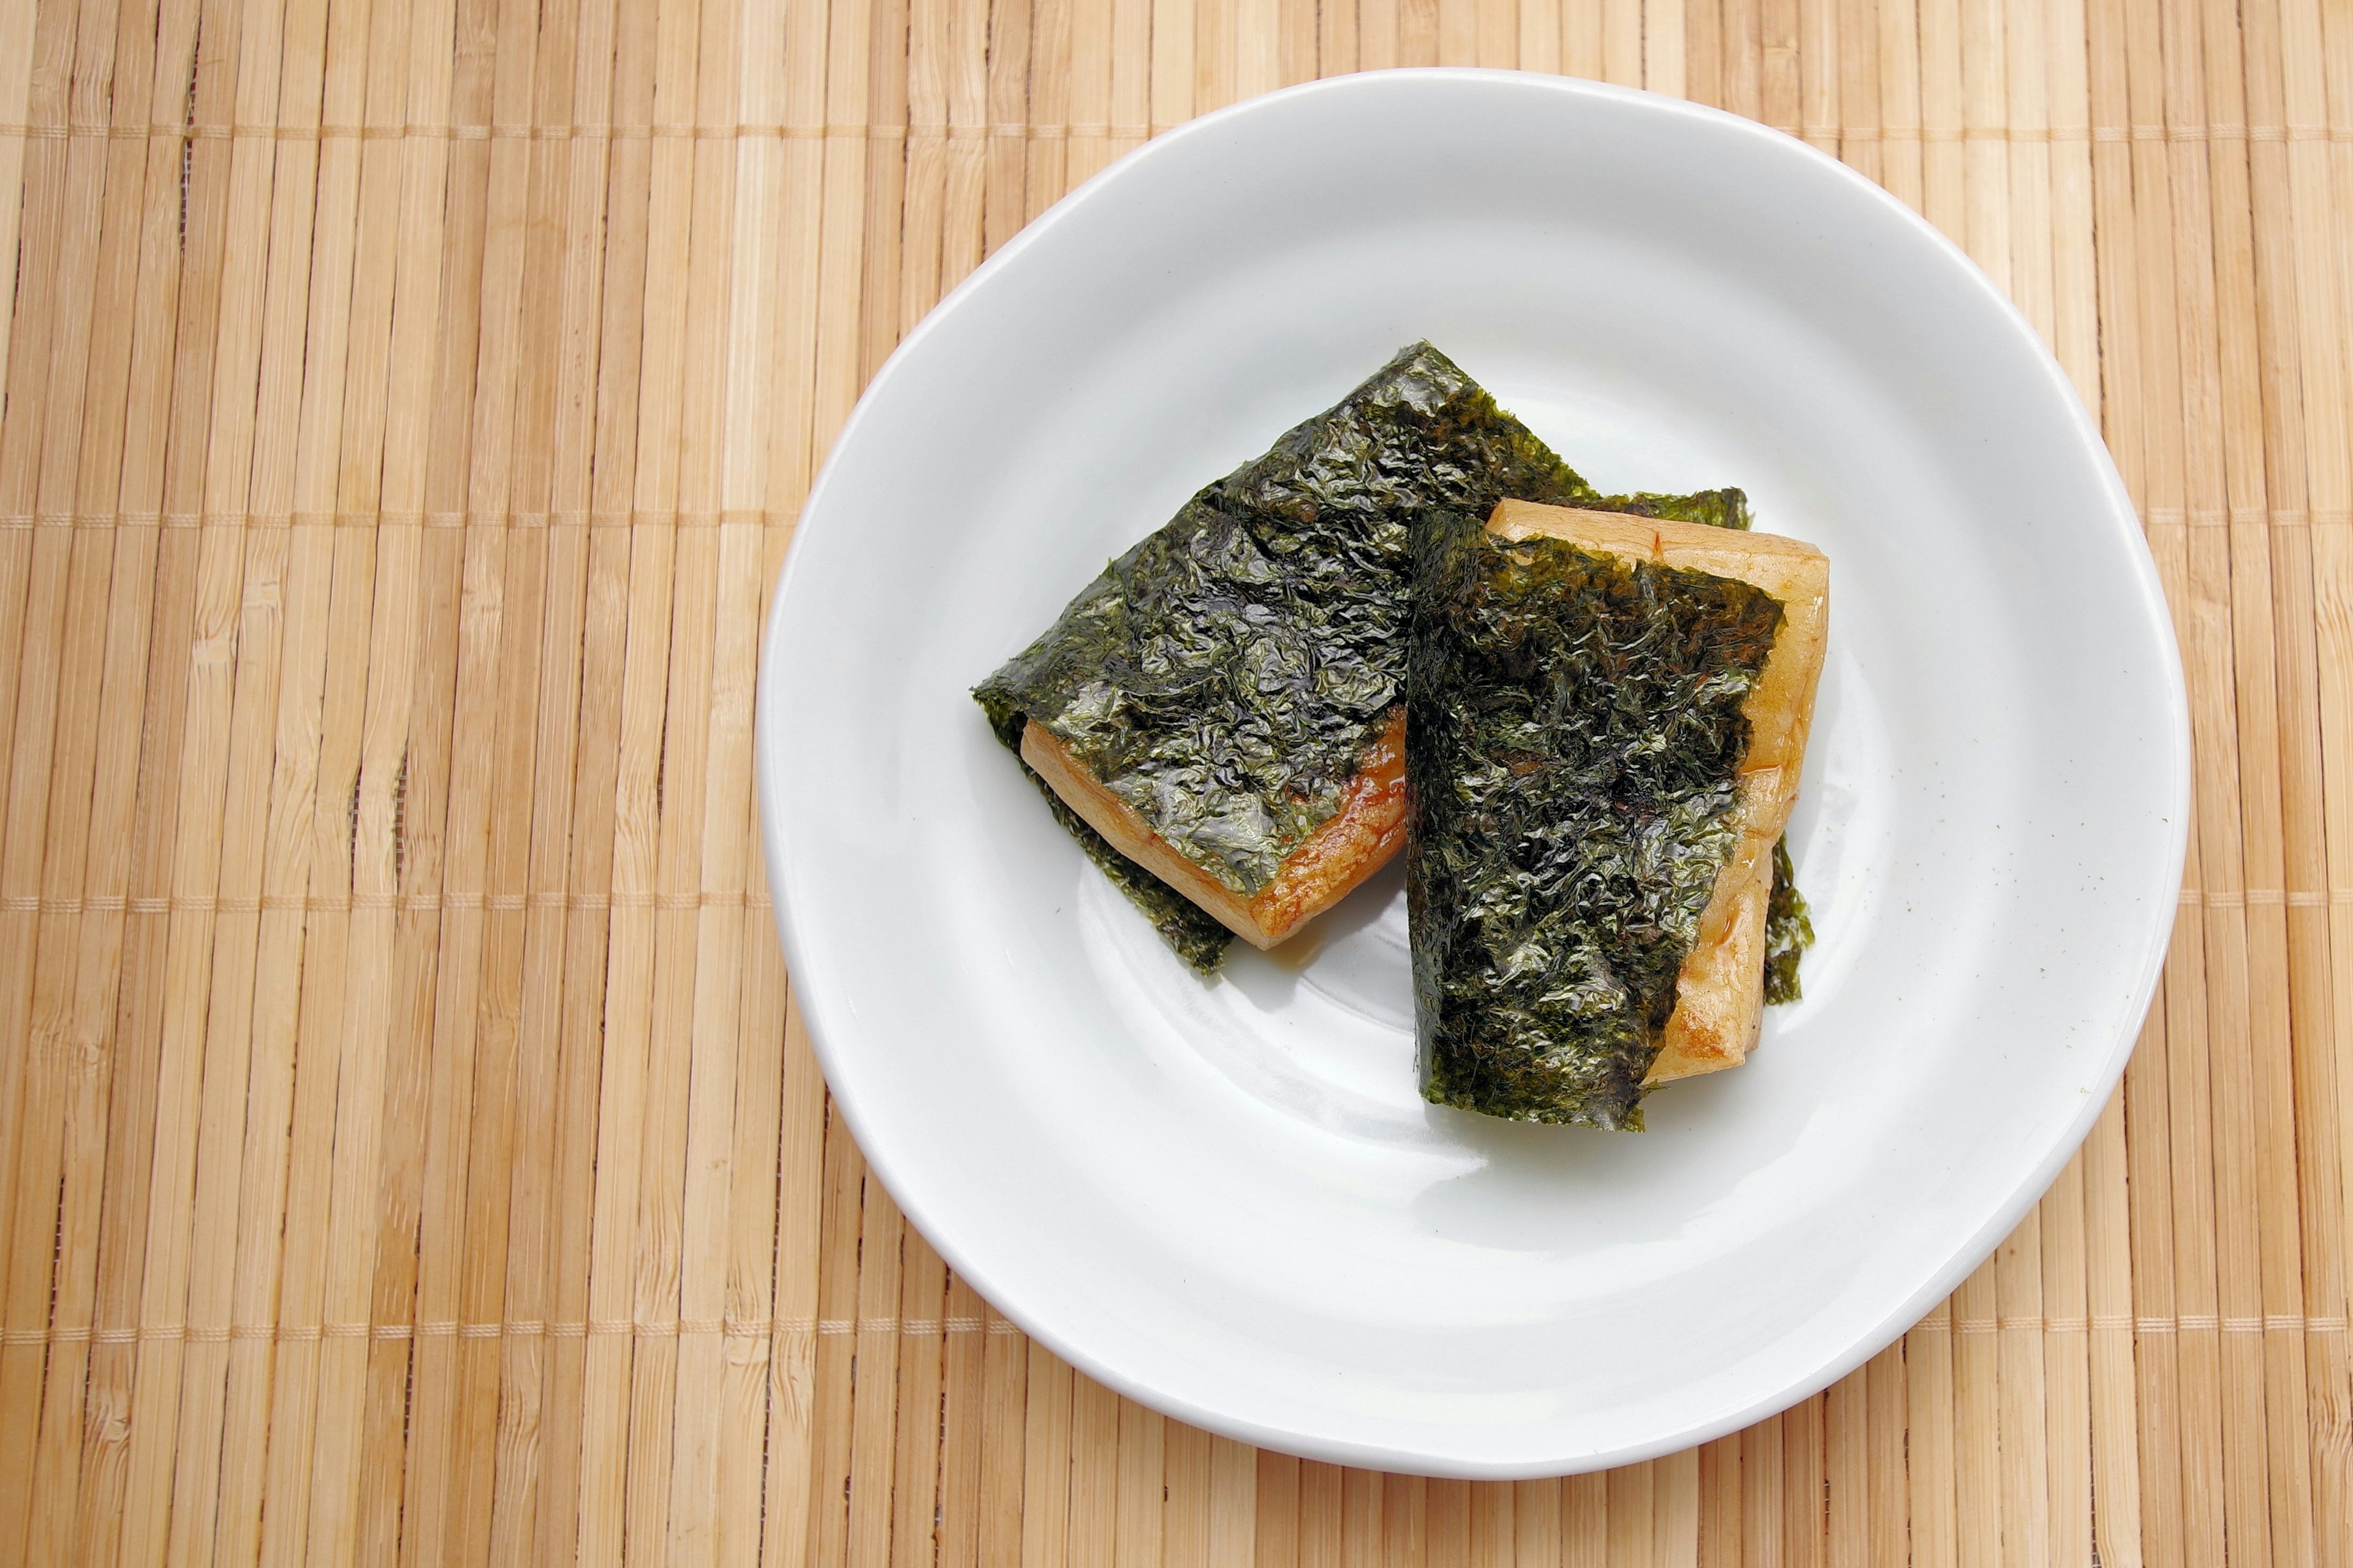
x: 1323, y: 870
x: 1719, y: 992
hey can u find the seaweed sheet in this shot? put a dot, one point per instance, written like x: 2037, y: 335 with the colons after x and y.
x: 1788, y: 929
x: 1226, y: 676
x: 1574, y: 729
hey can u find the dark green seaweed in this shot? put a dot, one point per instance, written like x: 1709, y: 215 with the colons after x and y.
x: 1573, y: 732
x: 1226, y: 676
x: 1788, y: 929
x: 1197, y: 936
x: 1716, y: 509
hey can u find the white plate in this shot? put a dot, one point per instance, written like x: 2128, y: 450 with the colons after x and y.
x: 1226, y: 1199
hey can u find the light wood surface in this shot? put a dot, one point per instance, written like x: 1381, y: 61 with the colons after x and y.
x: 410, y: 1152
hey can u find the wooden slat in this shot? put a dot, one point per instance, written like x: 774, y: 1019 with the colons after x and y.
x: 409, y: 1149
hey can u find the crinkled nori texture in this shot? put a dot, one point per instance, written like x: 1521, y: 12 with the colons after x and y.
x: 1572, y: 728
x: 1196, y: 934
x: 1788, y: 929
x: 1717, y: 508
x: 1227, y: 675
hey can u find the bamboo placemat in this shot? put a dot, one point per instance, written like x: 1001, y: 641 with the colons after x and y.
x: 408, y: 1151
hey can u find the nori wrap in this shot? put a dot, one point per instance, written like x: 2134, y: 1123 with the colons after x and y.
x: 1788, y: 930
x: 1573, y: 730
x: 1227, y: 675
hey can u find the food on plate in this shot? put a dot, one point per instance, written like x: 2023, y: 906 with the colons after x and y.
x: 1316, y: 871
x: 1216, y: 716
x: 1788, y: 930
x: 1605, y: 717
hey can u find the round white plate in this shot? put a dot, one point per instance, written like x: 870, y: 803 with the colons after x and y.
x: 1226, y: 1199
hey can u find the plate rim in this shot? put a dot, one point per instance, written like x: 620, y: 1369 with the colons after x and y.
x: 820, y: 1015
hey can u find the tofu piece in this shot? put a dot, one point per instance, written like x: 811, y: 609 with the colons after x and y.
x: 1326, y: 867
x: 1720, y: 990
x: 1173, y: 678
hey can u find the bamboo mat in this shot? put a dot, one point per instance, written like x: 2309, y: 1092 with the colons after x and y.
x: 409, y: 1150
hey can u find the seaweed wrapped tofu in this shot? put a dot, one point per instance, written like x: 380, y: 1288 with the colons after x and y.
x: 1219, y: 717
x: 1606, y: 721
